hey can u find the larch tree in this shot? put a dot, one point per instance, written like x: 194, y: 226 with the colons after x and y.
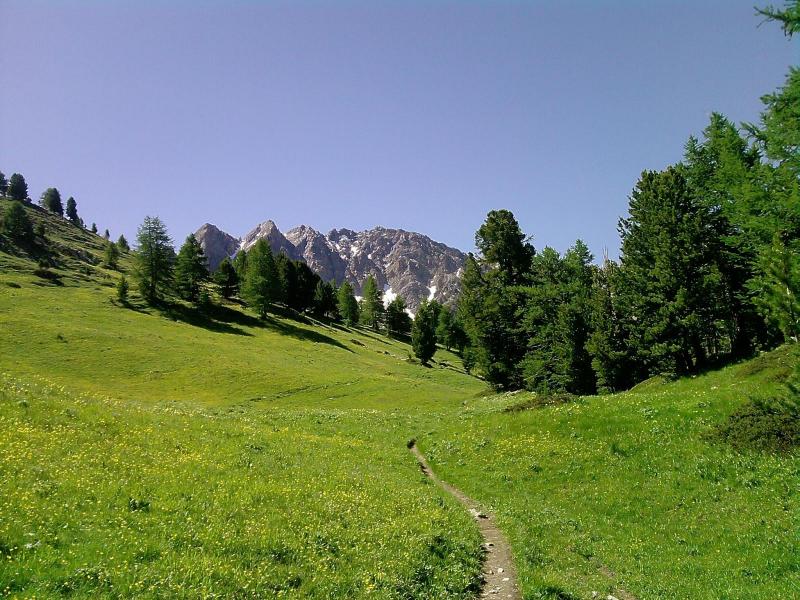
x: 154, y: 258
x: 347, y: 304
x: 191, y: 269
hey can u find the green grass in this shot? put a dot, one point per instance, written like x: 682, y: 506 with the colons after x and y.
x: 633, y: 491
x: 175, y: 453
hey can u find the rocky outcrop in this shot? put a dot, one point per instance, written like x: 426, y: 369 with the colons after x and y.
x: 216, y: 244
x: 404, y: 263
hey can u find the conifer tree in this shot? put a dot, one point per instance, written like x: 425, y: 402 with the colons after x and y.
x: 668, y: 276
x: 17, y: 187
x: 154, y: 258
x: 261, y: 286
x: 307, y: 282
x: 325, y: 300
x: 122, y: 244
x: 72, y: 211
x: 240, y: 264
x: 397, y: 320
x: 3, y: 184
x: 16, y: 224
x: 423, y: 333
x: 347, y: 304
x: 94, y: 228
x: 111, y: 256
x: 107, y: 234
x: 122, y: 290
x: 190, y: 269
x: 227, y: 279
x: 51, y: 200
x: 778, y: 287
x: 372, y: 310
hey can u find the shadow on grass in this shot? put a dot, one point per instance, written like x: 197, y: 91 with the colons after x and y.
x: 223, y: 319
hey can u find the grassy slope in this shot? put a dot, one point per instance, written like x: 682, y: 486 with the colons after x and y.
x: 268, y: 455
x: 629, y: 491
x: 273, y: 455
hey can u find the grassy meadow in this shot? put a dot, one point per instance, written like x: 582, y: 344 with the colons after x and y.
x: 171, y: 452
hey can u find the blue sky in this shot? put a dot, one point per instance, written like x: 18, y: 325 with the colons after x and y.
x: 417, y: 115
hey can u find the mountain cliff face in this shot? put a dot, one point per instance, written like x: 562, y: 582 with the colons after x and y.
x: 404, y: 263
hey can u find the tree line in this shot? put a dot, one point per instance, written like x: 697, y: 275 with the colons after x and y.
x: 18, y: 227
x: 709, y: 270
x: 269, y: 282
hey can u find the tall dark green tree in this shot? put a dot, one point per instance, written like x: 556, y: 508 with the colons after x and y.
x: 423, y: 333
x: 154, y: 258
x: 287, y: 273
x: 227, y: 279
x: 191, y: 269
x: 557, y: 322
x: 51, y: 200
x: 608, y: 346
x: 721, y: 173
x: 307, y: 282
x: 347, y: 304
x: 122, y: 244
x: 261, y: 286
x: 16, y: 224
x: 17, y: 187
x: 671, y: 285
x: 72, y: 211
x: 778, y: 287
x: 491, y: 307
x: 398, y: 322
x: 502, y: 244
x: 372, y: 310
x: 3, y: 184
x: 325, y: 300
x: 94, y: 228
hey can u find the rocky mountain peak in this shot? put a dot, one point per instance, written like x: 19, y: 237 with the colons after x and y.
x: 403, y: 263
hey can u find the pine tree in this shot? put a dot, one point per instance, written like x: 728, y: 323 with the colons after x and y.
x: 670, y: 285
x: 325, y: 300
x: 122, y: 244
x: 122, y: 290
x: 107, y: 234
x: 16, y: 224
x: 614, y: 368
x: 51, y: 200
x: 347, y: 304
x: 3, y: 184
x: 372, y: 310
x: 261, y: 286
x: 94, y: 228
x: 504, y: 246
x: 287, y: 275
x: 423, y: 333
x: 240, y: 264
x: 227, y: 279
x: 444, y: 328
x: 154, y: 258
x: 190, y: 269
x: 72, y: 211
x: 307, y: 282
x: 778, y: 287
x: 17, y: 187
x: 111, y: 256
x: 398, y: 322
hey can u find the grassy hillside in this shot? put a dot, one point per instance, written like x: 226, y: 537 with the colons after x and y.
x: 634, y: 491
x: 177, y: 453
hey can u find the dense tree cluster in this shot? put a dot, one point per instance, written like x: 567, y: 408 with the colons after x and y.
x: 709, y: 270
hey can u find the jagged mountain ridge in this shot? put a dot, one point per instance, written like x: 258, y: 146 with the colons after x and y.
x: 404, y: 263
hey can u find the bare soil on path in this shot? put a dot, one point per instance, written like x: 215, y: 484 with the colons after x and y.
x: 499, y: 574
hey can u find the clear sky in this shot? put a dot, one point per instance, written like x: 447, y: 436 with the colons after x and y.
x: 410, y: 114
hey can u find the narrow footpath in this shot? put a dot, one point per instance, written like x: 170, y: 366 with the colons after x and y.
x: 499, y: 574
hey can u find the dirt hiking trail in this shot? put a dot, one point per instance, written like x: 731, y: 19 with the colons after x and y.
x: 499, y: 575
